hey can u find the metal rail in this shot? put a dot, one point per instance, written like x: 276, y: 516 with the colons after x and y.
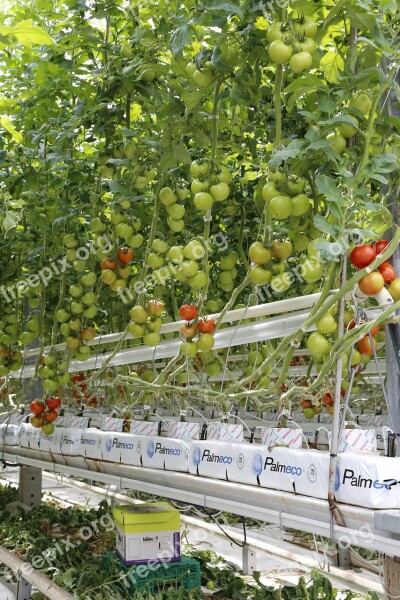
x: 303, y: 513
x: 27, y: 576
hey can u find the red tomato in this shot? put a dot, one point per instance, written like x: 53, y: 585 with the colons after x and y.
x: 374, y: 331
x: 50, y: 416
x: 306, y: 404
x: 108, y: 263
x: 364, y: 346
x: 188, y: 312
x: 327, y: 399
x: 380, y: 246
x: 387, y: 272
x: 53, y: 402
x: 362, y: 256
x: 207, y: 326
x: 371, y: 284
x: 125, y: 255
x: 37, y: 407
x: 78, y: 377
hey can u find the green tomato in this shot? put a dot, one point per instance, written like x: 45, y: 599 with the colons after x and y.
x: 260, y: 276
x: 189, y: 349
x: 175, y: 225
x: 280, y: 207
x: 258, y: 254
x: 300, y: 205
x: 124, y: 231
x: 337, y: 141
x: 317, y: 344
x: 190, y: 69
x: 176, y: 211
x: 205, y: 342
x: 308, y: 45
x: 362, y: 102
x: 279, y: 52
x: 139, y: 314
x: 228, y: 262
x: 160, y: 246
x: 203, y: 201
x: 301, y: 242
x: 151, y: 339
x: 189, y: 268
x: 167, y: 196
x: 281, y: 283
x: 306, y: 27
x: 89, y: 279
x: 269, y: 191
x: 175, y: 254
x: 312, y: 270
x: 198, y: 281
x: 300, y: 62
x: 155, y: 261
x: 203, y: 78
x: 220, y: 191
x: 194, y: 250
x: 327, y: 325
x: 275, y: 32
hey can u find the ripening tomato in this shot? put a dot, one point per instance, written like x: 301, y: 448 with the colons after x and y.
x: 362, y: 256
x: 37, y: 407
x: 374, y: 331
x: 394, y: 289
x: 187, y: 332
x: 125, y: 255
x: 364, y: 346
x: 50, y: 416
x: 36, y: 421
x: 387, y: 271
x: 206, y: 326
x: 371, y: 284
x: 305, y: 403
x: 108, y: 263
x: 188, y: 312
x: 155, y: 308
x: 258, y: 254
x: 380, y: 246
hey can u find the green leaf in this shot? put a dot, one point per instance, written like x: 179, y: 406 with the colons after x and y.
x: 332, y: 64
x: 6, y: 123
x: 326, y: 103
x: 291, y: 151
x: 180, y: 38
x: 28, y: 34
x: 323, y: 225
x: 328, y: 186
x: 10, y: 221
x: 227, y: 7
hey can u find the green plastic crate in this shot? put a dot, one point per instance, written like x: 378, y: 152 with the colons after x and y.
x: 185, y: 573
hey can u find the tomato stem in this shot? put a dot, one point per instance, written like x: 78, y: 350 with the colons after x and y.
x: 277, y: 104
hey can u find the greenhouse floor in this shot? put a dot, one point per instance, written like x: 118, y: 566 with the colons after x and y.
x: 280, y: 561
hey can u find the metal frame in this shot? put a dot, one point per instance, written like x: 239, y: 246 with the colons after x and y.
x: 303, y: 513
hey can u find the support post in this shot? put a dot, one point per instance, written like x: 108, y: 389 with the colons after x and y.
x: 24, y: 589
x: 249, y: 560
x: 343, y: 557
x: 30, y: 486
x: 391, y: 577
